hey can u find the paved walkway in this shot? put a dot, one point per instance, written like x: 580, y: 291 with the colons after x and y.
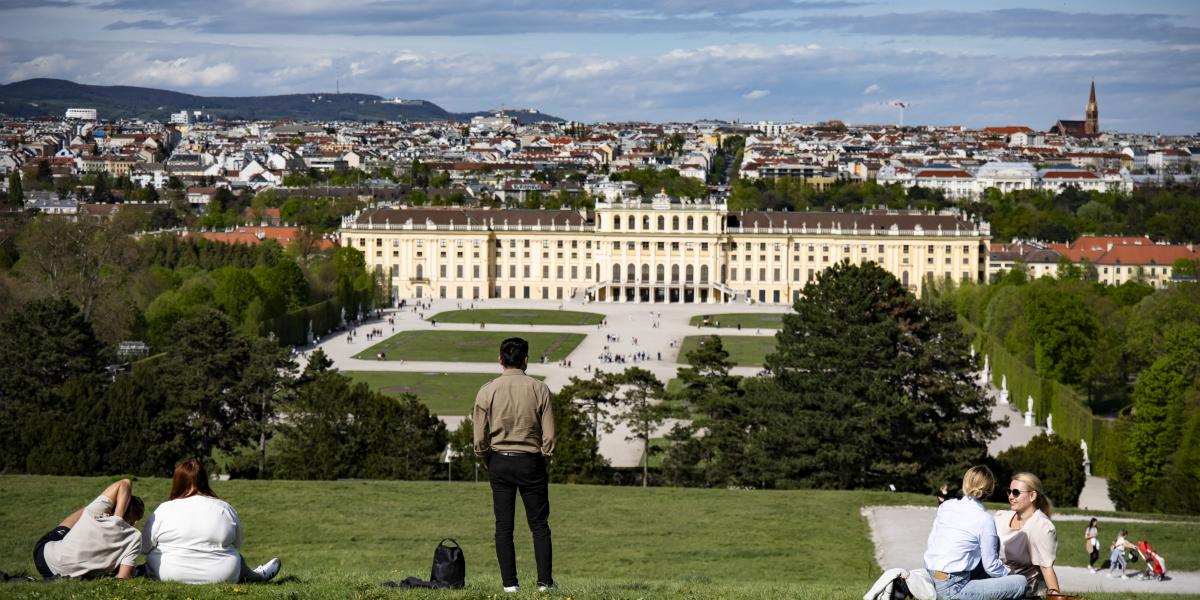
x: 625, y: 321
x: 1095, y: 489
x: 900, y: 533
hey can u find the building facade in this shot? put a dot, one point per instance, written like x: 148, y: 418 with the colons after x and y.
x: 661, y: 250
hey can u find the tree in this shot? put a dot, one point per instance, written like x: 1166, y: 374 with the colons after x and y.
x: 338, y: 429
x: 44, y: 346
x: 16, y: 194
x: 716, y: 403
x: 596, y: 395
x: 204, y: 365
x: 266, y: 382
x: 577, y: 453
x: 641, y: 409
x: 1160, y: 412
x: 871, y: 387
x: 1056, y: 461
x: 82, y: 261
x: 1064, y: 332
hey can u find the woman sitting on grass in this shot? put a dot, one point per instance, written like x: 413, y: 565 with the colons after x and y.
x: 195, y: 537
x: 1028, y: 540
x: 963, y: 552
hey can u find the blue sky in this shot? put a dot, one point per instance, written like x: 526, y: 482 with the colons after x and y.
x: 968, y: 63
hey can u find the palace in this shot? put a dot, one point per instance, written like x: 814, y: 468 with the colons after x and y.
x: 664, y: 250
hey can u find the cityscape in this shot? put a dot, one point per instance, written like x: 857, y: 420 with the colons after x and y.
x: 824, y: 312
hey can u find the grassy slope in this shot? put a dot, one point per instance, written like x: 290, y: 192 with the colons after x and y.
x: 744, y: 350
x: 746, y: 320
x: 470, y: 346
x: 514, y: 316
x: 341, y: 539
x: 443, y: 393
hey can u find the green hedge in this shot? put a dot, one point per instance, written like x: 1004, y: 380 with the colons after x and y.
x: 292, y: 328
x: 1072, y: 418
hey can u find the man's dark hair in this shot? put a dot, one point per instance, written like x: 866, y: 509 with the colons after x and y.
x: 513, y: 352
x: 135, y: 510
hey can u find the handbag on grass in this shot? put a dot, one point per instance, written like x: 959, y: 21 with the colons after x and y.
x: 449, y: 565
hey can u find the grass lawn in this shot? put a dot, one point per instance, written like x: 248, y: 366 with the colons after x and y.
x: 470, y: 346
x: 443, y: 393
x: 746, y: 320
x: 519, y: 316
x: 342, y: 539
x: 744, y: 350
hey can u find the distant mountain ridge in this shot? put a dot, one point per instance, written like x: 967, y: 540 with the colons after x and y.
x: 52, y: 97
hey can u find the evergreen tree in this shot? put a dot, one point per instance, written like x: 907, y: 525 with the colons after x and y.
x: 715, y: 400
x: 44, y: 347
x: 16, y: 193
x: 577, y: 453
x: 641, y: 409
x: 875, y: 388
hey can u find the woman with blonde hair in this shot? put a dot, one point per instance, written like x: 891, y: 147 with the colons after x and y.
x: 963, y: 540
x: 196, y: 537
x: 1028, y: 540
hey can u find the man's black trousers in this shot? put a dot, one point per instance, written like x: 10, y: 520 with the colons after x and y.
x: 510, y: 473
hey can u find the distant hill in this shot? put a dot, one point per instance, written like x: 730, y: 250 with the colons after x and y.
x: 42, y: 97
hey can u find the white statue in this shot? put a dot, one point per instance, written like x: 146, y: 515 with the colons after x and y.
x: 1029, y: 404
x: 972, y: 351
x: 1004, y: 382
x: 985, y: 363
x: 1029, y: 412
x: 1050, y: 425
x: 1083, y: 446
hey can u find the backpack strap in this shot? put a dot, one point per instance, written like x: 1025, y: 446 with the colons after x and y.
x: 443, y: 542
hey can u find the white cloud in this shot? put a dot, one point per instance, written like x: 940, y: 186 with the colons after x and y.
x: 756, y: 94
x: 48, y: 65
x: 871, y: 89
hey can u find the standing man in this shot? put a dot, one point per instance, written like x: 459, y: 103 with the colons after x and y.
x: 514, y: 436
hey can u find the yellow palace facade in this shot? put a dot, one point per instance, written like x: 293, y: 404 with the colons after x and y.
x: 662, y: 250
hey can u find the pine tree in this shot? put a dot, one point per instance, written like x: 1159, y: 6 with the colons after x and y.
x: 641, y: 409
x: 871, y: 387
x: 16, y: 193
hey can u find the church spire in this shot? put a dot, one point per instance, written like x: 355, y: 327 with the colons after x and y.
x: 1091, y: 124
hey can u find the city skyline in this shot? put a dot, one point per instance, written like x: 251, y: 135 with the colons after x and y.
x: 1008, y: 63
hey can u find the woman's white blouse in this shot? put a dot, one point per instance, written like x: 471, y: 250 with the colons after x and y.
x: 193, y: 540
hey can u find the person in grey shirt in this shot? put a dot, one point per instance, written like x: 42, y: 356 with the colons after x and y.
x: 514, y: 436
x: 96, y: 540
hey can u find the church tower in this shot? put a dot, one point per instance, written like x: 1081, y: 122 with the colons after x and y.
x: 1091, y: 124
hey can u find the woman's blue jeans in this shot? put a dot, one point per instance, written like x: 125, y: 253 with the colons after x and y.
x: 960, y: 586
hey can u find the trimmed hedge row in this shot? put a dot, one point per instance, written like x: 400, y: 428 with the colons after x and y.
x: 1073, y: 420
x: 292, y: 328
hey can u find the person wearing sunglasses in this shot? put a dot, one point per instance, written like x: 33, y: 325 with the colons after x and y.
x: 1028, y: 540
x: 963, y: 551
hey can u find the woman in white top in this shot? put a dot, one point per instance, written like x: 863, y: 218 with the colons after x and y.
x: 1091, y: 541
x: 1028, y: 540
x: 963, y: 540
x: 195, y: 537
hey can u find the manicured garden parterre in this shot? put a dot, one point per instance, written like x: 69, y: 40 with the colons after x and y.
x: 518, y: 316
x: 744, y: 350
x: 469, y: 346
x: 442, y: 393
x: 343, y: 539
x: 746, y: 320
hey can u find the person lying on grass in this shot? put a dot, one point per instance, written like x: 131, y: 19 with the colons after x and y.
x: 95, y: 541
x: 195, y: 537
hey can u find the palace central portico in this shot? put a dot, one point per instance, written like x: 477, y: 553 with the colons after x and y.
x: 662, y: 250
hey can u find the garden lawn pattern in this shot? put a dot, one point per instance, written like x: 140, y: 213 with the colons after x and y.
x: 518, y: 316
x: 744, y: 350
x: 442, y: 393
x: 470, y: 346
x: 746, y: 320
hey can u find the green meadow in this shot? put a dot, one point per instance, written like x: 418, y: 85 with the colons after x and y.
x: 518, y: 316
x: 746, y: 320
x: 442, y: 393
x: 744, y: 350
x: 469, y: 346
x: 343, y: 539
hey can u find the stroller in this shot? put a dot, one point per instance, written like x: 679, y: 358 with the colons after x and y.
x: 1156, y: 566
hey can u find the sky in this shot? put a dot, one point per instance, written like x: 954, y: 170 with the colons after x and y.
x: 964, y: 63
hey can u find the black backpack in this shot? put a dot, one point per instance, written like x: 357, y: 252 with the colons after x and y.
x: 449, y: 565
